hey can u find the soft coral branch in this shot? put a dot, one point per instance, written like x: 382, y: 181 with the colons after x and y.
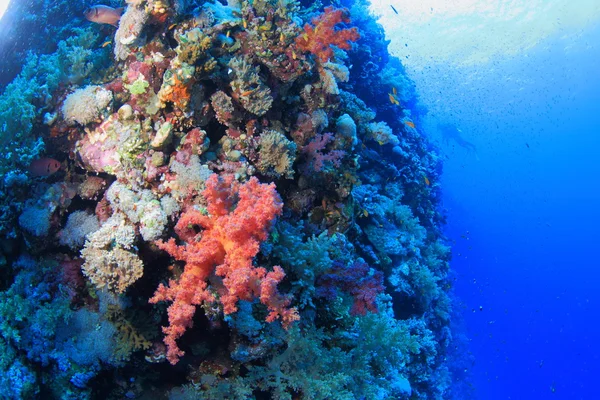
x: 240, y: 216
x: 318, y: 39
x: 358, y: 280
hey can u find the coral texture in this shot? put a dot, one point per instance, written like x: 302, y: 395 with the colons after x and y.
x: 110, y: 258
x: 318, y: 39
x: 86, y: 105
x: 230, y: 240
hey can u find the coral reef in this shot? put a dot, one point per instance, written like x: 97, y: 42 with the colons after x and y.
x: 230, y: 241
x: 227, y: 172
x: 86, y: 104
x: 319, y: 38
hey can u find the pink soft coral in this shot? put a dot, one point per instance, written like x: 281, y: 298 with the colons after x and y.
x: 316, y: 159
x: 318, y: 39
x: 358, y: 280
x: 240, y: 215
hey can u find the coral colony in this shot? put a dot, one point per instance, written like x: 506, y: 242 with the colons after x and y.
x: 220, y: 201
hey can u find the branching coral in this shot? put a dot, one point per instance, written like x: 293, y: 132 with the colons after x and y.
x: 316, y: 160
x: 358, y: 280
x: 230, y: 240
x: 318, y: 39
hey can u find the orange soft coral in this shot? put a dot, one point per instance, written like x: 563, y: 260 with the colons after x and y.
x: 240, y: 215
x: 318, y: 39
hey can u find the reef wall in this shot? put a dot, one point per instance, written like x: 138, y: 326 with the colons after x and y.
x: 246, y: 176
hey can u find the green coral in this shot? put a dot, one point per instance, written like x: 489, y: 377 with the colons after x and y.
x: 139, y: 86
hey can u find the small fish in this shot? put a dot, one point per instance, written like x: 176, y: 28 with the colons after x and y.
x: 43, y: 167
x: 365, y: 213
x: 281, y: 37
x: 247, y: 92
x: 426, y: 180
x: 104, y: 15
x: 228, y: 34
x: 409, y: 123
x: 106, y: 43
x: 527, y: 144
x: 172, y: 26
x: 396, y: 11
x: 394, y: 91
x: 393, y: 99
x: 245, y: 24
x: 294, y: 55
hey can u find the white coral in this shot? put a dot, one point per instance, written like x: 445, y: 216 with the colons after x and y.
x: 111, y: 261
x: 79, y: 225
x: 142, y: 208
x: 86, y: 104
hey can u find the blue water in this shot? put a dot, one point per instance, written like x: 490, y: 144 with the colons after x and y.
x: 523, y: 212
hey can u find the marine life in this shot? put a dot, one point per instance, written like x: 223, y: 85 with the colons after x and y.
x: 101, y: 14
x: 394, y: 9
x: 106, y: 43
x: 43, y: 167
x: 410, y: 124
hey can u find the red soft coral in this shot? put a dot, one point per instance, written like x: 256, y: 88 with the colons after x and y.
x: 318, y: 39
x: 358, y: 280
x: 240, y: 215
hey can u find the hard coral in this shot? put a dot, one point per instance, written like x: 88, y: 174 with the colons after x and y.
x: 111, y: 260
x: 230, y: 239
x: 318, y: 39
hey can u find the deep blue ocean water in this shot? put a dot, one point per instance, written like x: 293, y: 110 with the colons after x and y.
x: 523, y: 210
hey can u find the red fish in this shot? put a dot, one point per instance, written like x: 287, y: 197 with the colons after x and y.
x: 104, y: 15
x: 43, y: 167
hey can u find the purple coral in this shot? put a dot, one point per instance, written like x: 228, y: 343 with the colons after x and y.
x: 315, y: 158
x: 358, y: 280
